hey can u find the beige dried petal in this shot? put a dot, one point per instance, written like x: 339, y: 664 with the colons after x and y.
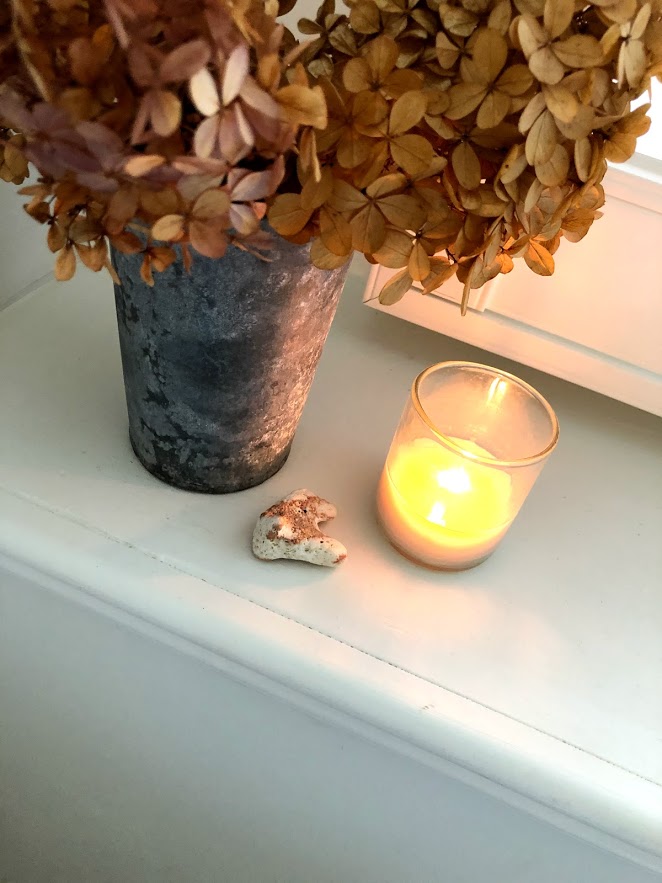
x: 530, y: 114
x: 402, y: 211
x: 621, y: 12
x: 545, y: 66
x: 640, y: 23
x: 514, y: 164
x: 441, y: 271
x: 515, y: 80
x: 580, y: 127
x: 531, y: 7
x: 166, y: 112
x: 561, y: 102
x: 634, y: 62
x: 457, y: 20
x: 395, y: 289
x: 168, y: 228
x: 541, y: 140
x: 395, y: 251
x: 620, y: 147
x: 447, y: 52
x: 583, y: 155
x: 558, y: 15
x: 346, y: 198
x: 531, y: 34
x: 580, y: 50
x: 555, y: 170
x: 204, y: 93
x: 212, y: 203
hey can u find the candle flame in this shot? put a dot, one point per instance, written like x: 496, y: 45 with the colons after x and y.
x: 454, y: 480
x: 437, y: 513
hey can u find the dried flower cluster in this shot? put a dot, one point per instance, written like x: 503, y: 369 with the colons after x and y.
x: 165, y: 118
x: 467, y: 133
x: 436, y: 138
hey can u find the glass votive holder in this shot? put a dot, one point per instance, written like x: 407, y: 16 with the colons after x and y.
x: 470, y: 444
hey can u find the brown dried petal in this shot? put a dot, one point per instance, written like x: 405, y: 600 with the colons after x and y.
x: 381, y: 55
x: 210, y: 240
x: 286, y: 214
x: 65, y: 265
x: 356, y: 75
x: 465, y: 98
x: 335, y: 232
x: 539, y: 259
x: 492, y: 111
x: 412, y: 153
x: 419, y: 263
x: 321, y: 257
x: 490, y: 51
x: 184, y: 61
x: 168, y: 228
x: 368, y: 229
x: 466, y: 165
x: 407, y: 112
x: 303, y: 106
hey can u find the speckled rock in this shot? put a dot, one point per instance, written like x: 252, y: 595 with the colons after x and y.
x: 290, y: 529
x: 218, y: 363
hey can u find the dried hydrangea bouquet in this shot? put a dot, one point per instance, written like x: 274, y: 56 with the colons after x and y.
x: 435, y: 138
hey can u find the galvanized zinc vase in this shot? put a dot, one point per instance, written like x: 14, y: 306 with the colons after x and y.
x: 218, y: 363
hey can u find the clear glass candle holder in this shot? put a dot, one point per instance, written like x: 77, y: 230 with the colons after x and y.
x: 468, y: 449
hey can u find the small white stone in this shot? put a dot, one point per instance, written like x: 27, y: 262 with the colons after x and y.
x: 290, y: 529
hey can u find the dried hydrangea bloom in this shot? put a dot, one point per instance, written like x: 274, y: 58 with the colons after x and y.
x: 465, y: 134
x: 151, y: 123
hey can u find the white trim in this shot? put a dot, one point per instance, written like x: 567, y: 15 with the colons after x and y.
x: 639, y: 184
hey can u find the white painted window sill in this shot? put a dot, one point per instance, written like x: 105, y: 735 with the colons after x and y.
x: 535, y: 676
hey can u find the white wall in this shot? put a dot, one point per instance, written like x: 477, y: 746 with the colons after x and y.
x: 124, y: 761
x: 24, y: 257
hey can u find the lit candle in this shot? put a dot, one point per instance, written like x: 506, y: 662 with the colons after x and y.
x: 444, y: 499
x: 442, y: 512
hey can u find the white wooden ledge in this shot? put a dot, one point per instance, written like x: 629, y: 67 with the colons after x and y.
x: 534, y: 677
